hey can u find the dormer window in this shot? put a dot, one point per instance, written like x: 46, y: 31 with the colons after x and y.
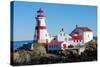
x: 64, y: 34
x: 75, y: 34
x: 46, y: 35
x: 60, y: 34
x: 65, y: 38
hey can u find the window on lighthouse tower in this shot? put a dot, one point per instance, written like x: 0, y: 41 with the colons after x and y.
x: 88, y: 35
x: 65, y: 38
x: 46, y: 35
x: 64, y: 34
x: 60, y: 34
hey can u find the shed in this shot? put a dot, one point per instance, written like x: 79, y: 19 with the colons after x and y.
x: 57, y: 45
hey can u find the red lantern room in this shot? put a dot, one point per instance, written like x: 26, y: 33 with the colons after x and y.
x: 40, y: 11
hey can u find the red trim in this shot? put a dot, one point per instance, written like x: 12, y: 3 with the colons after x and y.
x: 76, y: 37
x: 64, y: 46
x: 42, y: 27
x: 40, y: 15
x: 85, y: 29
x: 38, y: 30
x: 58, y: 43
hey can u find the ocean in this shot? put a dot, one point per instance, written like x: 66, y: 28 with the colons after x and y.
x: 17, y: 44
x: 95, y: 38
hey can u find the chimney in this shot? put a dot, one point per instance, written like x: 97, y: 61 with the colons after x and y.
x: 76, y: 26
x: 62, y: 29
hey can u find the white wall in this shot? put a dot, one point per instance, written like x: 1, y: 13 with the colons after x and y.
x: 44, y: 36
x: 61, y: 36
x: 42, y: 21
x: 70, y: 42
x: 87, y: 36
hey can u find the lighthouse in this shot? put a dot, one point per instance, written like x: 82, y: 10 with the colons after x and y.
x: 41, y: 34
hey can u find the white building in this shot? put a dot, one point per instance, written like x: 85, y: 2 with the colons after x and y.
x: 81, y: 35
x: 63, y: 36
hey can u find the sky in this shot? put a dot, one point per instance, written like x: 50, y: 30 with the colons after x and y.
x: 58, y: 16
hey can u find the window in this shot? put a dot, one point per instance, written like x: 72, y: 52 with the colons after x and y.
x: 49, y: 46
x: 60, y: 34
x: 56, y: 46
x: 77, y: 41
x: 88, y: 35
x: 69, y: 39
x: 64, y: 34
x: 74, y: 40
x: 46, y: 35
x: 80, y: 40
x: 52, y: 46
x: 65, y: 38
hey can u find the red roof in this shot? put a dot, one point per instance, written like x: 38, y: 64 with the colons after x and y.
x: 40, y: 15
x: 56, y: 43
x: 40, y: 27
x: 40, y: 11
x: 84, y: 29
x: 77, y: 37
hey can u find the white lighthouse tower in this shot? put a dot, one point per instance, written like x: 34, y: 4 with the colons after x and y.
x: 41, y: 34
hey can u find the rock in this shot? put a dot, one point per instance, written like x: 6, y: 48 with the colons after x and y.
x: 39, y: 51
x: 21, y: 57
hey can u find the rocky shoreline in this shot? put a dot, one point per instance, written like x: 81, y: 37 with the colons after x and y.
x: 51, y: 59
x: 41, y: 56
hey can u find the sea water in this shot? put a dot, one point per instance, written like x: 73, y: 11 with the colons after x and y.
x: 17, y: 44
